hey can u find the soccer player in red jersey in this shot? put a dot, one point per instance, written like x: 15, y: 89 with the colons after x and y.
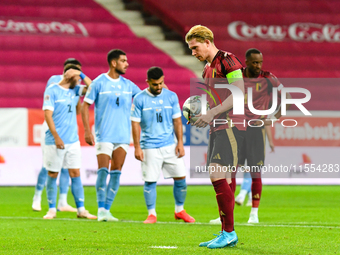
x: 225, y: 139
x: 253, y: 149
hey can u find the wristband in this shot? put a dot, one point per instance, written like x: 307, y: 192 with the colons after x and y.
x: 82, y: 75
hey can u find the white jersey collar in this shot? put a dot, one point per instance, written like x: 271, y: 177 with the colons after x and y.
x: 113, y: 80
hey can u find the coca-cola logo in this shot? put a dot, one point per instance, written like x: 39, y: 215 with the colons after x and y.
x: 301, y: 32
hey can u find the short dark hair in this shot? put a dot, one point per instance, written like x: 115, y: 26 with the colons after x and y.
x: 72, y: 61
x: 251, y: 51
x: 154, y: 73
x: 114, y: 54
x: 71, y: 66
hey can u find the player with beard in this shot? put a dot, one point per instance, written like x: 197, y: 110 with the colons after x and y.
x: 157, y: 113
x: 64, y: 178
x: 62, y: 146
x: 253, y: 150
x: 112, y: 95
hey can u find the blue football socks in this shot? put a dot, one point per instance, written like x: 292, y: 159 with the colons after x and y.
x: 246, y: 184
x: 150, y: 194
x: 77, y: 191
x: 101, y: 186
x: 64, y: 181
x: 180, y: 191
x: 112, y: 188
x: 52, y: 191
x: 42, y: 177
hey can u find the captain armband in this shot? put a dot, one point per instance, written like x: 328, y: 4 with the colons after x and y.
x: 234, y: 76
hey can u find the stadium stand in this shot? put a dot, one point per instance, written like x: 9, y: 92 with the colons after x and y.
x: 299, y: 39
x: 36, y: 38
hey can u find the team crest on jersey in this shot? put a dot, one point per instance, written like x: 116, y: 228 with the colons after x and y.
x: 47, y: 98
x: 258, y: 86
x: 214, y: 73
x: 119, y: 86
x: 161, y: 101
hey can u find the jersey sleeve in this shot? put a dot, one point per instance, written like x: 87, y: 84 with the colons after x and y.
x: 54, y: 79
x: 136, y: 110
x: 92, y: 92
x: 276, y: 83
x: 48, y: 100
x: 79, y: 90
x: 176, y: 110
x: 231, y: 63
x: 50, y: 81
x: 135, y: 89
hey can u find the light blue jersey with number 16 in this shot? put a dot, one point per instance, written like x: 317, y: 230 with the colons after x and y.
x: 156, y: 114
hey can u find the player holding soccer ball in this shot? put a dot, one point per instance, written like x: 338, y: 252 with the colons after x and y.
x: 156, y: 111
x: 224, y: 140
x: 253, y: 149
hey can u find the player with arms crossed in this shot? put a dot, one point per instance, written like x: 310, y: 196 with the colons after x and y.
x: 64, y: 178
x: 224, y: 140
x: 156, y: 111
x: 62, y: 142
x: 112, y: 95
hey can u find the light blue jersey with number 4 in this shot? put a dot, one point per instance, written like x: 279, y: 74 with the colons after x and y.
x: 156, y: 114
x: 63, y: 103
x: 113, y: 99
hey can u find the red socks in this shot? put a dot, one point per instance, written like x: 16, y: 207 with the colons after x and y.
x: 232, y: 185
x: 225, y: 201
x: 256, y: 189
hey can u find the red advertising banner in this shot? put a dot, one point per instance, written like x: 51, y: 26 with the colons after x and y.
x: 307, y: 131
x: 36, y: 119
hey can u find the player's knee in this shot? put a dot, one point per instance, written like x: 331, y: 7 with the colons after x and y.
x: 53, y: 174
x: 74, y: 173
x: 150, y: 185
x: 179, y: 178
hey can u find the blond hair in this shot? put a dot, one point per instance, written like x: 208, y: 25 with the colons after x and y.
x: 200, y: 33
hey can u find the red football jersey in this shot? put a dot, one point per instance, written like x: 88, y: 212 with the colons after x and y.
x: 262, y: 92
x: 222, y: 64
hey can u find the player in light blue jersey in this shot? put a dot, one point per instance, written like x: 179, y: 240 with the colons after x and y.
x: 112, y: 95
x: 156, y: 111
x: 62, y: 146
x: 64, y: 178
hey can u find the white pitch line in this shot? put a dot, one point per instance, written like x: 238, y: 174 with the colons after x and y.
x: 163, y: 247
x: 280, y: 225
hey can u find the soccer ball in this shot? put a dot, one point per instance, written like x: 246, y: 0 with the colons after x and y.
x: 192, y: 107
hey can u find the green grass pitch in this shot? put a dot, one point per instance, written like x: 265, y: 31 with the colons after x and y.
x: 293, y: 220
